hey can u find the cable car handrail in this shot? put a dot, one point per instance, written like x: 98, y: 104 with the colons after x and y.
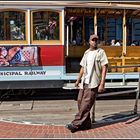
x: 116, y: 93
x: 125, y: 66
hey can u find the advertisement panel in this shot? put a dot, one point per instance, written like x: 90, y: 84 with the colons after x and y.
x: 18, y: 56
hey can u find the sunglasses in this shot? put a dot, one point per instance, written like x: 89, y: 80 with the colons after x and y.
x: 94, y: 39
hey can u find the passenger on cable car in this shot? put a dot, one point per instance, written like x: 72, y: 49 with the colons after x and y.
x: 52, y: 26
x: 134, y: 43
x: 113, y: 42
x: 78, y: 37
x: 118, y: 43
x: 37, y: 31
x: 17, y: 34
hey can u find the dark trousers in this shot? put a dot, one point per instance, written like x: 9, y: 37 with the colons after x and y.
x: 86, y: 99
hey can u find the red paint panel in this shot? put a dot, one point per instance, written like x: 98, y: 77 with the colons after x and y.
x: 52, y: 55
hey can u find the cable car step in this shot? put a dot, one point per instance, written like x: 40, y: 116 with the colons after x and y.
x: 71, y: 86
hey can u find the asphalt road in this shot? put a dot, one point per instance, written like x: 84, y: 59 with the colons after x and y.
x: 59, y: 108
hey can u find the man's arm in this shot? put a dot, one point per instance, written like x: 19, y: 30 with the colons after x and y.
x: 79, y: 77
x: 103, y: 75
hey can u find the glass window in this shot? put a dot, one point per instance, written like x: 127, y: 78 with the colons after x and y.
x: 109, y: 23
x: 133, y: 27
x: 133, y: 31
x: 12, y: 25
x: 46, y: 25
x: 75, y: 29
x: 89, y: 27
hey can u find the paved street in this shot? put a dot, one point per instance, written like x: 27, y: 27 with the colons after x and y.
x: 114, y: 119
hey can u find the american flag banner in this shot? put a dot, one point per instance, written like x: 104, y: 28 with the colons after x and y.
x: 29, y: 54
x: 20, y: 56
x: 26, y: 55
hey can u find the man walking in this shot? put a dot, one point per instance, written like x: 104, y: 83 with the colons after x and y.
x: 92, y: 76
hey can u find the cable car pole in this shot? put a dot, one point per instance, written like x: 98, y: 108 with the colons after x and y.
x: 95, y: 32
x: 137, y: 97
x: 95, y: 21
x: 124, y: 40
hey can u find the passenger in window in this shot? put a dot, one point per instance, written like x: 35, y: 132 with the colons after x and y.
x: 118, y: 43
x: 16, y: 34
x: 20, y: 35
x: 46, y: 33
x: 78, y: 37
x: 52, y: 27
x: 113, y: 42
x: 13, y: 33
x: 134, y: 43
x: 74, y: 42
x: 37, y: 32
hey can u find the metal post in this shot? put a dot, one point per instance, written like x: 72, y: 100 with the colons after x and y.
x: 67, y: 45
x: 93, y: 113
x: 123, y: 82
x: 28, y: 28
x: 137, y: 97
x: 95, y: 21
x: 71, y: 25
x: 124, y: 40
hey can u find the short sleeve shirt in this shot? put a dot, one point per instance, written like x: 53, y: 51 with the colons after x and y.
x: 99, y: 60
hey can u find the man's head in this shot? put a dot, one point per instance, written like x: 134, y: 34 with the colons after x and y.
x: 93, y: 36
x: 93, y: 41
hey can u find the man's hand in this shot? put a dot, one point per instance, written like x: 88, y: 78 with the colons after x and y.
x: 79, y: 77
x: 77, y: 84
x: 101, y: 88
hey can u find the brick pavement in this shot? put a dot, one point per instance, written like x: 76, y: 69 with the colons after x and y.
x: 126, y: 128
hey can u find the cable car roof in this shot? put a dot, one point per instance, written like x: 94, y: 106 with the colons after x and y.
x: 93, y: 4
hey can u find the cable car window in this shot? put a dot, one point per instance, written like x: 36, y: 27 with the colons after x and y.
x: 46, y: 25
x: 133, y: 27
x: 12, y: 25
x: 89, y: 27
x: 75, y: 29
x: 109, y: 23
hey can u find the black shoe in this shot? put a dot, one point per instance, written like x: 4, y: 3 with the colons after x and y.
x: 93, y: 121
x: 86, y: 127
x: 71, y: 128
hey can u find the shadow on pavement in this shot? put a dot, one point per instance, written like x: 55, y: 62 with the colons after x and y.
x: 51, y: 94
x: 127, y: 116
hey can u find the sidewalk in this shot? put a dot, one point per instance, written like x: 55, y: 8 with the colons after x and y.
x: 127, y: 129
x: 122, y: 124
